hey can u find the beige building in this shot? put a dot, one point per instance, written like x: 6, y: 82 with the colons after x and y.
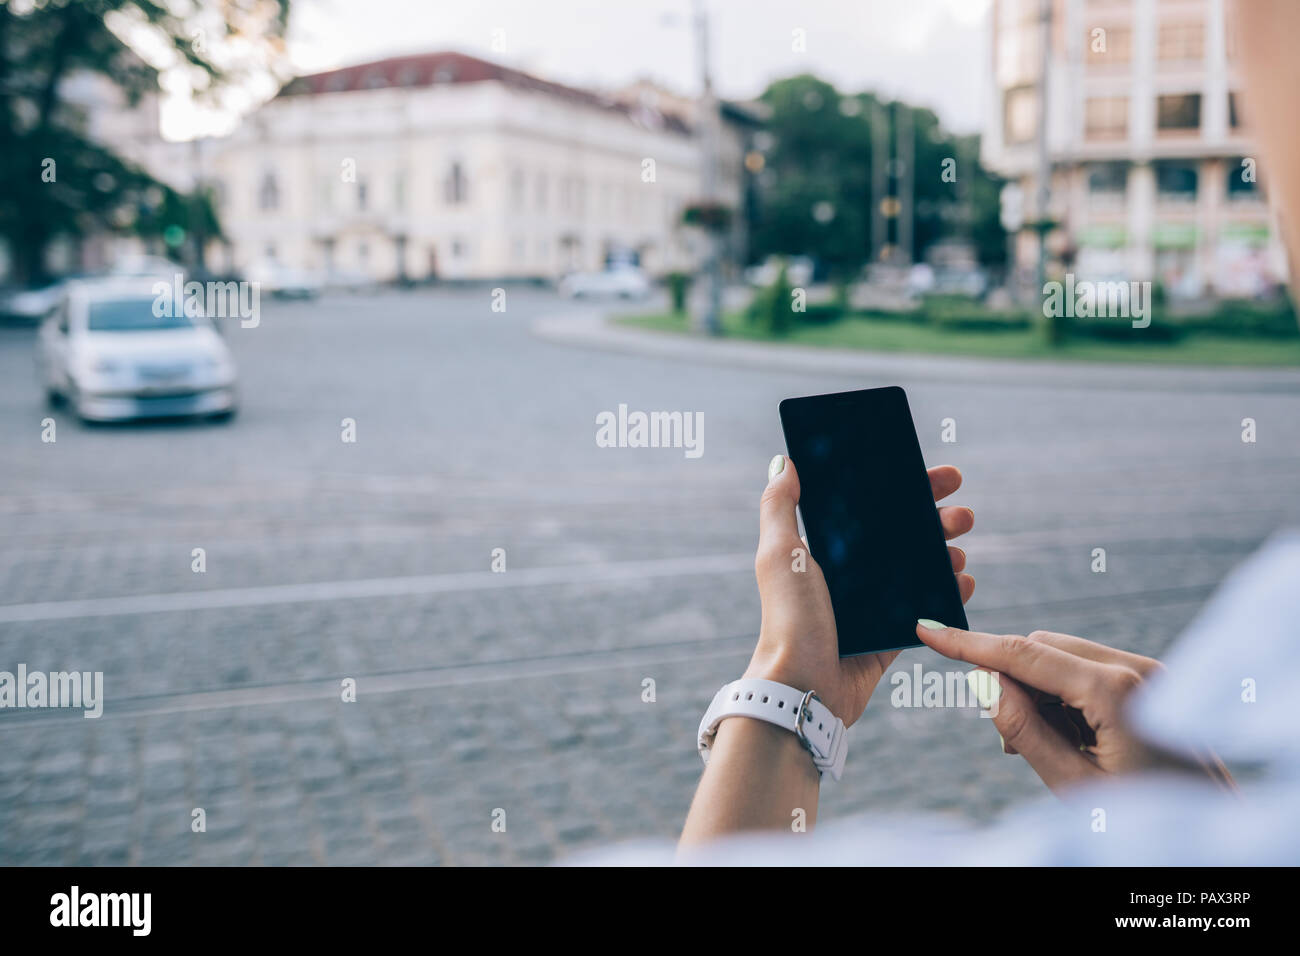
x: 1154, y: 174
x: 450, y: 166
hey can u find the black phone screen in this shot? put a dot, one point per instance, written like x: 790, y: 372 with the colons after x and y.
x: 870, y: 516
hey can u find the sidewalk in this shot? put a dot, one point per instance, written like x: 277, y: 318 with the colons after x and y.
x: 594, y: 331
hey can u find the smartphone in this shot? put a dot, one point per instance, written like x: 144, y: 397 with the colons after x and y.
x: 870, y: 518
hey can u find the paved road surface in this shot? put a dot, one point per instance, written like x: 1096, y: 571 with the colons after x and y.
x: 522, y: 692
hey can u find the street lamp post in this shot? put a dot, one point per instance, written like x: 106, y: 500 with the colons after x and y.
x: 711, y: 321
x: 1044, y: 160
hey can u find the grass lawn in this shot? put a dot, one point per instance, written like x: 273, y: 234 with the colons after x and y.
x: 891, y: 334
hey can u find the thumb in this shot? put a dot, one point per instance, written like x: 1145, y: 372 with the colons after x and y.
x: 777, y: 525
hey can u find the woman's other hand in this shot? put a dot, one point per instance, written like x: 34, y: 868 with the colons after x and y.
x: 1059, y: 701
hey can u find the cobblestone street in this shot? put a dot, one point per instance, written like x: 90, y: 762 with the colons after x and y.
x: 522, y: 691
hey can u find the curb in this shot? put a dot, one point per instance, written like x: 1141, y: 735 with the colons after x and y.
x: 594, y: 331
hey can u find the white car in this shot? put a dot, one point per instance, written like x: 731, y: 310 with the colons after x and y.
x: 625, y: 282
x: 108, y: 352
x: 285, y: 282
x: 798, y: 271
x: 157, y: 266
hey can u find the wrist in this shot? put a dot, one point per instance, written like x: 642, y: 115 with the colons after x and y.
x: 766, y: 746
x: 799, y: 714
x: 792, y: 673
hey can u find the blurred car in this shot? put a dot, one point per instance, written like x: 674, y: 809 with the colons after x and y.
x: 348, y: 280
x: 798, y: 271
x: 622, y: 281
x: 33, y: 303
x: 920, y: 279
x: 156, y: 267
x: 972, y: 283
x: 106, y: 351
x: 283, y: 281
x: 29, y: 305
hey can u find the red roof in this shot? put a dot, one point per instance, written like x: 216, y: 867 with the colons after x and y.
x: 436, y: 69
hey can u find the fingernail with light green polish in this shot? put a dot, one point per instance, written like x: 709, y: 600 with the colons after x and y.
x: 930, y: 625
x: 776, y: 466
x: 985, y: 686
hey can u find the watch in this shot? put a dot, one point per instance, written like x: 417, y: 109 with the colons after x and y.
x: 822, y: 733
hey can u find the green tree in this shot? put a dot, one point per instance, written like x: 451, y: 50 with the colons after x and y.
x: 816, y: 197
x: 819, y: 154
x: 55, y: 179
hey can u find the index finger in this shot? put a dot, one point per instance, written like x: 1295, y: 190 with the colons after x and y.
x: 1035, y: 663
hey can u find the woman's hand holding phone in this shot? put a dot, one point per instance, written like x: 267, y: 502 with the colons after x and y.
x: 797, y: 642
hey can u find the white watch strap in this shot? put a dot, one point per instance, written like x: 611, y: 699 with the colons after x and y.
x: 821, y: 732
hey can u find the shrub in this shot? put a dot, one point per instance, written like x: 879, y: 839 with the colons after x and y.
x: 1161, y: 330
x: 966, y: 314
x: 771, y: 308
x: 679, y: 284
x: 822, y: 313
x: 1245, y: 318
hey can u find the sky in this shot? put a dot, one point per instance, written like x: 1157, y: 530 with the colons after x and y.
x: 929, y: 52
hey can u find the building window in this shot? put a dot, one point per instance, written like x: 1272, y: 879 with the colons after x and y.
x: 1234, y: 112
x: 362, y: 195
x: 456, y: 188
x: 1242, y: 184
x: 399, y: 190
x: 1108, y: 179
x: 541, y: 192
x: 1020, y: 114
x: 1178, y: 113
x: 518, y: 188
x: 1112, y: 47
x: 1105, y: 117
x: 268, y: 193
x: 1175, y: 181
x: 1181, y: 41
x: 1017, y: 53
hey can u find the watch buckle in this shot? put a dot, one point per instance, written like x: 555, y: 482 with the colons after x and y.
x: 804, y: 713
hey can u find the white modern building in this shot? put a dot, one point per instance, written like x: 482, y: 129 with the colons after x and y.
x: 1154, y: 174
x: 445, y: 165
